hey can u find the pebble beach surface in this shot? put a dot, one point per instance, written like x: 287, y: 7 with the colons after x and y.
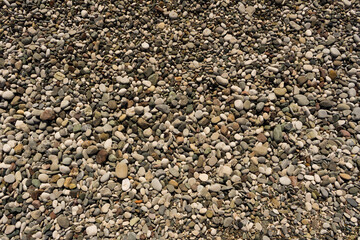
x: 213, y: 119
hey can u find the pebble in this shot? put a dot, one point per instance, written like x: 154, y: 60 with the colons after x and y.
x: 155, y: 183
x: 173, y: 15
x: 8, y: 95
x: 222, y: 81
x: 285, y: 180
x: 121, y: 170
x: 91, y: 230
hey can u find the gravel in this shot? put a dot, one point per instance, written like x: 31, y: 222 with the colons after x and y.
x: 179, y: 119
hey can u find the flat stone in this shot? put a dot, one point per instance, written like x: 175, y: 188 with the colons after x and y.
x: 352, y: 202
x: 9, y: 229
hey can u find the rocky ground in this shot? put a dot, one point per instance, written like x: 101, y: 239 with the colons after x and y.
x: 200, y: 119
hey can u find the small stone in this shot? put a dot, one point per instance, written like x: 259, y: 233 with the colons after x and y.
x: 203, y: 177
x: 59, y: 76
x: 91, y: 230
x: 206, y: 32
x: 9, y: 229
x: 145, y: 45
x: 215, y: 187
x: 43, y: 177
x: 261, y: 150
x: 278, y: 133
x: 133, y: 221
x: 112, y: 105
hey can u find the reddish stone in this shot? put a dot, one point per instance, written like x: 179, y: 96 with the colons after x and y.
x: 345, y: 133
x: 47, y: 115
x: 261, y: 138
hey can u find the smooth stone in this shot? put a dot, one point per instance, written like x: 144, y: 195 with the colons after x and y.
x: 121, y: 170
x: 215, y: 187
x: 173, y: 15
x: 203, y: 177
x: 280, y: 91
x: 9, y: 229
x: 125, y: 185
x: 222, y: 81
x: 63, y: 221
x: 239, y: 105
x: 301, y: 100
x: 10, y: 178
x: 206, y: 32
x: 334, y: 52
x: 155, y: 183
x: 8, y: 95
x: 91, y: 230
x: 278, y: 133
x: 285, y: 180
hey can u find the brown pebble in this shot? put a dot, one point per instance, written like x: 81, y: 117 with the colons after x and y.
x: 101, y: 156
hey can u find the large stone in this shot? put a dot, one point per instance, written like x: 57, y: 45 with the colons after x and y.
x: 278, y: 133
x: 101, y: 156
x: 155, y: 183
x: 301, y: 100
x: 261, y: 150
x: 121, y: 170
x: 91, y: 230
x: 222, y: 81
x: 47, y: 115
x: 285, y: 180
x: 63, y: 221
